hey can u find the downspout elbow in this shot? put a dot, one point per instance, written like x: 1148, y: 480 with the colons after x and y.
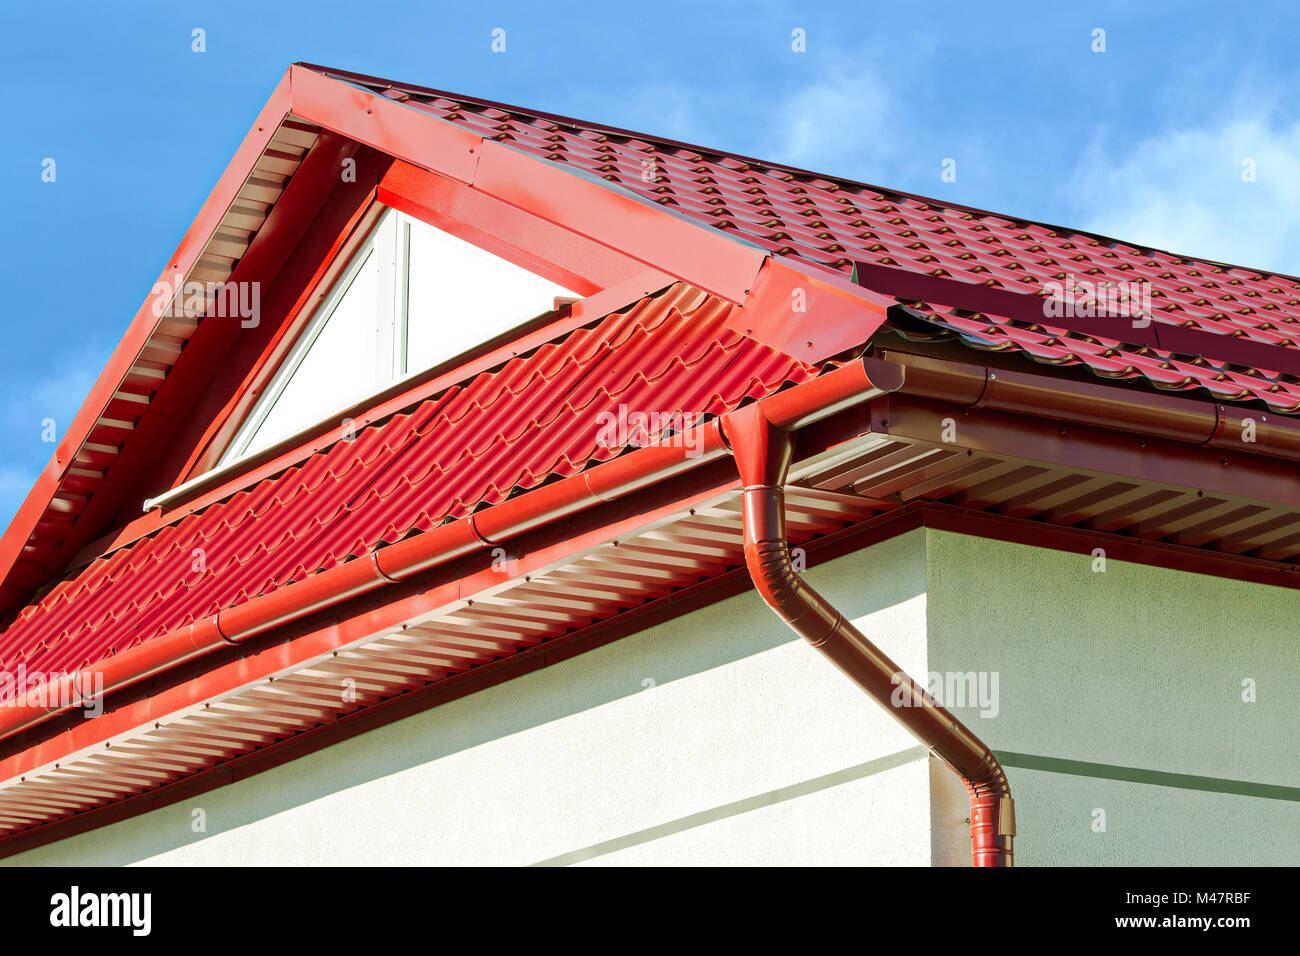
x: 763, y: 453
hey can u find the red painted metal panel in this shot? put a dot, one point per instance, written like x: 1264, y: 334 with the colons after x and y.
x: 631, y: 224
x: 626, y: 223
x: 834, y: 227
x: 812, y: 317
x: 534, y: 417
x: 361, y: 115
x: 573, y: 261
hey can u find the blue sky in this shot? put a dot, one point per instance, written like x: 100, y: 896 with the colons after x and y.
x: 1144, y: 141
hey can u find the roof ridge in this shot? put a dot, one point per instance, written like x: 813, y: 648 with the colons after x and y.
x: 367, y: 80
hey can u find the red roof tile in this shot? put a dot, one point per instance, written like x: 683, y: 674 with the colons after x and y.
x: 1109, y: 358
x: 511, y: 428
x: 828, y: 224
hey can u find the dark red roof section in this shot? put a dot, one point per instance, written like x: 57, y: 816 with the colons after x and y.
x: 1109, y: 359
x: 830, y: 224
x: 535, y: 417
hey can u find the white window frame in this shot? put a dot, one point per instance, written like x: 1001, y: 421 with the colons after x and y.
x: 373, y: 245
x: 390, y: 240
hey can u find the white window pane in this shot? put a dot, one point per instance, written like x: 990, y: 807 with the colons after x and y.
x: 337, y: 369
x: 418, y: 298
x: 460, y: 296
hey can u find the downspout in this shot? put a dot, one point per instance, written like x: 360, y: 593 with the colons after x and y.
x: 760, y: 438
x: 762, y: 448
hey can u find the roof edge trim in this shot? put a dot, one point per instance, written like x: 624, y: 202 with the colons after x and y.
x: 128, y: 350
x: 707, y: 258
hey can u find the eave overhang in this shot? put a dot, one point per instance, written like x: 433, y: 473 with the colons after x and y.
x: 874, y: 468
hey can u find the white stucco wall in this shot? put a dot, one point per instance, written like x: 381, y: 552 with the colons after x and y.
x: 1134, y: 668
x: 750, y: 749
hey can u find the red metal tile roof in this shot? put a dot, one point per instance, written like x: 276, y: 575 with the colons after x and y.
x: 1111, y: 359
x: 511, y: 428
x: 535, y: 418
x: 473, y: 444
x: 828, y: 224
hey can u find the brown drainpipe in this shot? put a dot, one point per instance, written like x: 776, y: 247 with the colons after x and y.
x: 763, y: 451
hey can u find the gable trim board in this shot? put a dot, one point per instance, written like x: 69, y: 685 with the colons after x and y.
x: 276, y: 251
x: 715, y: 262
x: 509, y: 200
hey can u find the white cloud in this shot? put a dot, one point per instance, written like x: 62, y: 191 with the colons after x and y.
x: 1183, y: 191
x: 840, y: 123
x: 58, y: 395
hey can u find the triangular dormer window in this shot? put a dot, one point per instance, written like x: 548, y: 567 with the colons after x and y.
x: 411, y: 297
